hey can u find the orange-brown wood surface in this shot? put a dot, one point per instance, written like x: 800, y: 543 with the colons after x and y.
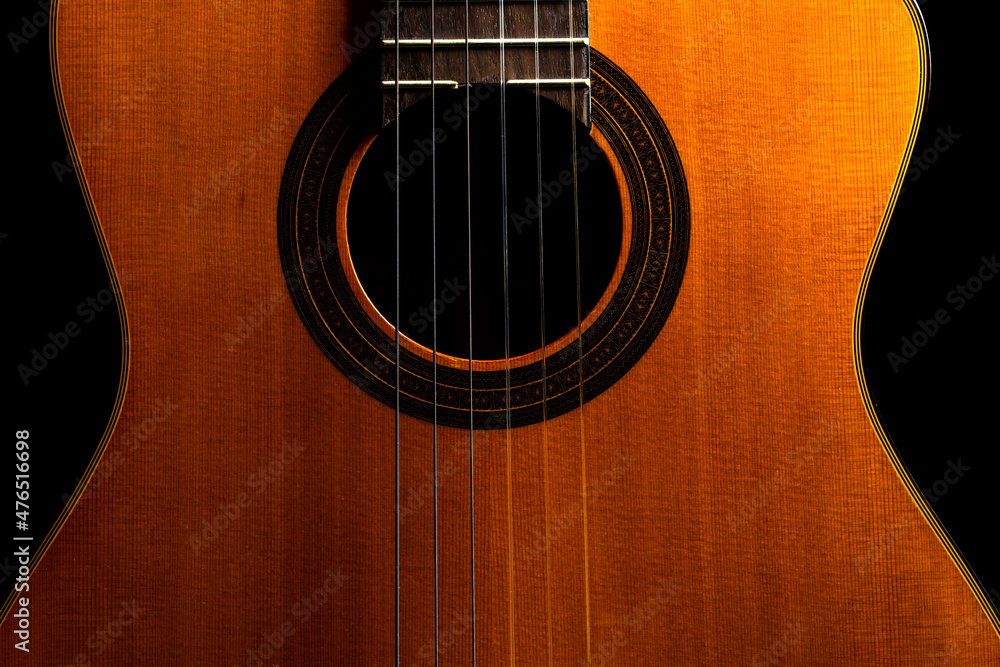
x: 741, y: 509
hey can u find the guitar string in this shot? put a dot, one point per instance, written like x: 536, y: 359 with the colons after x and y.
x: 468, y: 207
x: 398, y: 189
x: 541, y: 305
x: 437, y: 634
x: 579, y: 326
x: 506, y: 331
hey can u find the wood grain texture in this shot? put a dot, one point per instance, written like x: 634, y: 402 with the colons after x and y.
x: 740, y: 509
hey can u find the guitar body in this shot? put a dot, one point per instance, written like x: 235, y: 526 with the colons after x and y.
x: 739, y: 506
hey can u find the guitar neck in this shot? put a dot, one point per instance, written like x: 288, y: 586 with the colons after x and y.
x: 543, y: 46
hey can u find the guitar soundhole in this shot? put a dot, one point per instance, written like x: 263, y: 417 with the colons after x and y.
x: 372, y: 223
x: 576, y: 370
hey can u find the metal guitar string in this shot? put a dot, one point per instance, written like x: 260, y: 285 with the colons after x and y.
x: 437, y: 635
x: 505, y: 206
x: 541, y: 302
x: 468, y: 211
x: 398, y: 189
x: 506, y: 328
x: 579, y: 324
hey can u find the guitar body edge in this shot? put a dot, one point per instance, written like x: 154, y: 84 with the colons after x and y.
x: 739, y: 506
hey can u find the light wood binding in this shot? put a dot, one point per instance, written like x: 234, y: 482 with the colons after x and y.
x: 792, y: 120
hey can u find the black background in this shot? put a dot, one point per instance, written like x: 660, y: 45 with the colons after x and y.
x: 939, y: 407
x: 50, y: 263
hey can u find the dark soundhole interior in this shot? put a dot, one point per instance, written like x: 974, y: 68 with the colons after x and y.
x: 371, y: 223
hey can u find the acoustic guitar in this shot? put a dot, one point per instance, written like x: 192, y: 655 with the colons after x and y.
x: 489, y: 333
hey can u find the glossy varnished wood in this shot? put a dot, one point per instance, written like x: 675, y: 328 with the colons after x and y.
x: 740, y: 501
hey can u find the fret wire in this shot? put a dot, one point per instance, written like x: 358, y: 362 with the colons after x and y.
x: 422, y: 83
x: 564, y: 26
x: 444, y: 83
x: 549, y: 82
x: 488, y: 41
x: 492, y: 2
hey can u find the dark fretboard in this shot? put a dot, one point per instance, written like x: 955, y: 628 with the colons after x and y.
x: 467, y: 41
